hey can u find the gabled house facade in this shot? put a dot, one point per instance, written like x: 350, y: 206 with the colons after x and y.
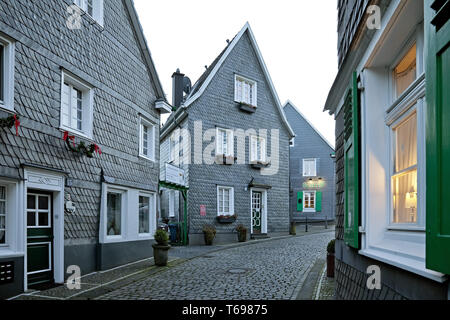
x: 391, y: 110
x: 231, y: 138
x: 312, y: 182
x: 80, y: 106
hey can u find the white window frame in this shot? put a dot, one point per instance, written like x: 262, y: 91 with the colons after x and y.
x: 87, y: 105
x: 144, y: 122
x: 37, y: 211
x: 151, y: 213
x: 219, y: 142
x: 5, y: 216
x: 8, y: 74
x: 254, y: 153
x: 172, y: 203
x: 15, y: 230
x: 231, y: 203
x: 254, y: 90
x: 172, y: 148
x: 309, y: 174
x: 97, y: 9
x: 123, y: 207
x: 309, y: 210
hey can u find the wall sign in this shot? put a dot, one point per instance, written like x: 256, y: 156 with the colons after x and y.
x: 175, y: 175
x: 314, y: 184
x: 203, y: 210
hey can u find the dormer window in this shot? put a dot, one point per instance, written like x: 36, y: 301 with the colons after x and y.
x: 245, y: 91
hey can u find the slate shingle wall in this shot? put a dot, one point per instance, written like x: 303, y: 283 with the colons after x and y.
x: 308, y: 145
x: 110, y: 60
x: 216, y: 107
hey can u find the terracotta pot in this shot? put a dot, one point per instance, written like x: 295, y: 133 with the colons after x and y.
x: 161, y: 254
x: 209, y: 238
x: 330, y: 265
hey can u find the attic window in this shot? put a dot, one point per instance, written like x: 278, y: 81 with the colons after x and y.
x: 94, y: 8
x: 245, y: 91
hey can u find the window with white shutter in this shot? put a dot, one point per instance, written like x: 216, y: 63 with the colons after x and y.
x: 224, y: 142
x: 245, y: 91
x: 76, y: 106
x: 257, y: 149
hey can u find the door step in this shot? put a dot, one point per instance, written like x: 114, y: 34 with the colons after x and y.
x: 259, y: 236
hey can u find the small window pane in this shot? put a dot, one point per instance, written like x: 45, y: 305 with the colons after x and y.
x: 144, y: 215
x: 31, y: 219
x: 43, y: 203
x: 114, y: 214
x: 2, y: 207
x: 43, y: 219
x: 405, y: 71
x: 406, y: 144
x: 405, y: 198
x: 31, y: 202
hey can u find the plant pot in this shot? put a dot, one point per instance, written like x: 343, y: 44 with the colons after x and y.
x: 226, y: 220
x: 330, y: 265
x: 209, y: 238
x: 242, y: 236
x: 293, y: 231
x: 161, y: 254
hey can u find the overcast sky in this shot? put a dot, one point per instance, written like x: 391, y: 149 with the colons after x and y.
x: 297, y: 38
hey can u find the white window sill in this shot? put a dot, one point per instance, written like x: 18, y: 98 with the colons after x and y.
x: 76, y: 133
x: 146, y: 158
x: 4, y: 107
x: 404, y: 255
x: 6, y: 253
x: 145, y: 236
x: 309, y: 211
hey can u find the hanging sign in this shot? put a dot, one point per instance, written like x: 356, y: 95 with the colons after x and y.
x: 175, y: 175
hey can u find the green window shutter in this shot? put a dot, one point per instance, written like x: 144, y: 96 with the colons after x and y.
x: 437, y: 32
x: 300, y: 201
x: 351, y: 165
x: 318, y: 201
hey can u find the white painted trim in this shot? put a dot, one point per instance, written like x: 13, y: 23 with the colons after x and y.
x: 264, y: 211
x: 231, y: 203
x: 88, y: 105
x: 254, y: 89
x: 315, y: 168
x: 14, y: 233
x: 289, y: 102
x: 309, y: 210
x: 230, y: 147
x: 263, y: 66
x: 49, y: 243
x: 144, y: 122
x: 163, y: 107
x: 40, y: 179
x: 9, y: 60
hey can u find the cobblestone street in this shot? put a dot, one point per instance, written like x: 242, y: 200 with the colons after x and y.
x: 270, y: 270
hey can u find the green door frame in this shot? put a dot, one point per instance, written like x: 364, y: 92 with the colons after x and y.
x: 184, y: 193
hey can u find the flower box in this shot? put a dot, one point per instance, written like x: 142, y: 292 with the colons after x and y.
x: 247, y: 108
x: 225, y: 160
x: 259, y: 164
x: 226, y: 219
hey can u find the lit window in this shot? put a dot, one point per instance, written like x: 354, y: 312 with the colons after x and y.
x: 258, y: 149
x: 404, y: 179
x: 76, y: 106
x: 309, y: 168
x: 405, y: 72
x: 114, y: 214
x: 3, y: 206
x: 225, y: 201
x: 147, y: 140
x: 144, y: 215
x: 225, y: 142
x: 310, y: 201
x: 245, y: 91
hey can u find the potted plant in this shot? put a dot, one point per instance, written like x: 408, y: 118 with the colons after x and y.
x: 330, y: 258
x: 293, y: 231
x: 242, y: 233
x: 210, y: 233
x: 226, y: 218
x: 161, y: 248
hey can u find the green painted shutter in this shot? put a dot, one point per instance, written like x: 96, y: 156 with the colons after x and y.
x: 318, y: 201
x: 300, y: 201
x: 437, y: 32
x: 351, y: 165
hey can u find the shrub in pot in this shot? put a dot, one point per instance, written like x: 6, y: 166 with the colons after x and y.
x: 293, y: 231
x: 330, y: 258
x: 161, y: 248
x: 210, y: 233
x: 242, y: 233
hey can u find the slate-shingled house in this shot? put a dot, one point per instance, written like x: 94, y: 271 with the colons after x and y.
x: 93, y: 83
x: 312, y: 179
x: 231, y: 137
x: 391, y: 104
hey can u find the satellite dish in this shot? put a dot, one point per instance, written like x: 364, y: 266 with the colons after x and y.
x: 187, y: 85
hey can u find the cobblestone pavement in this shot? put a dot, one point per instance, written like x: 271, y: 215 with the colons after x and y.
x: 324, y: 289
x: 272, y: 270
